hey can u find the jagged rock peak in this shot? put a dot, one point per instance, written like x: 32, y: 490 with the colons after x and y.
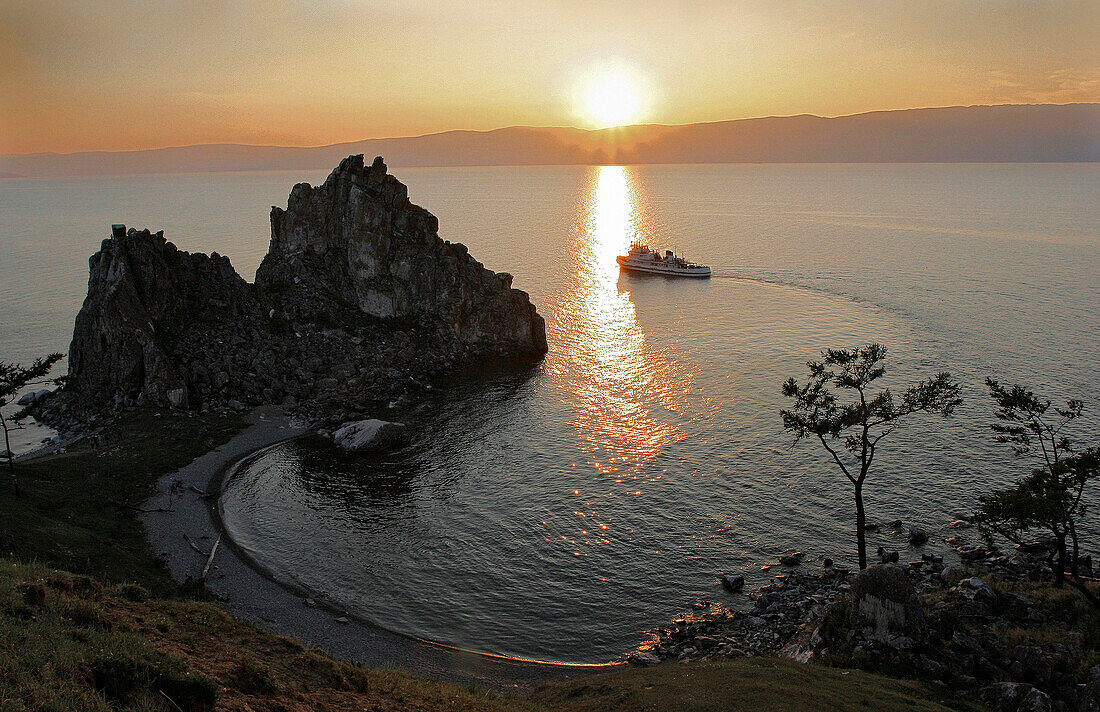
x: 143, y: 295
x: 355, y: 244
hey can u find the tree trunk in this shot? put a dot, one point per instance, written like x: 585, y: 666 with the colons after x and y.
x: 1076, y: 549
x: 1080, y: 585
x: 1060, y: 566
x: 11, y: 458
x: 861, y: 526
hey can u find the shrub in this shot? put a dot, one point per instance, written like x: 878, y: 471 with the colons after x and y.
x: 254, y: 678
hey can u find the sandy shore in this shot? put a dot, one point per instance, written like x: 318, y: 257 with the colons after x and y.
x: 253, y: 597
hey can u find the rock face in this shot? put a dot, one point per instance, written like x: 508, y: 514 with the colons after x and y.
x: 357, y: 240
x: 357, y: 301
x: 143, y: 296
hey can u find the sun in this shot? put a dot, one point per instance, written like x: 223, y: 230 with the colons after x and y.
x: 611, y: 96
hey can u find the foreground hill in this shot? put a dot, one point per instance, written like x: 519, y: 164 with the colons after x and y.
x: 1007, y: 133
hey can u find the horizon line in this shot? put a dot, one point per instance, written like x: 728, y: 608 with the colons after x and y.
x: 535, y: 127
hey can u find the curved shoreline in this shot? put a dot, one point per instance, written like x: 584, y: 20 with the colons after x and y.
x: 250, y: 592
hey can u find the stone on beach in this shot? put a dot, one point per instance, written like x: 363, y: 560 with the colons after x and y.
x: 33, y: 396
x: 641, y: 657
x: 370, y: 435
x: 733, y: 582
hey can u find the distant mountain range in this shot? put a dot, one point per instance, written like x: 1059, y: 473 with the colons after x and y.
x: 1005, y: 133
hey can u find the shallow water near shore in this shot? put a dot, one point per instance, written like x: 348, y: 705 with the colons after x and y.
x: 559, y: 512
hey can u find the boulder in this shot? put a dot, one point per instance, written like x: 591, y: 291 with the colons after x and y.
x: 1035, y: 701
x: 1005, y: 696
x: 1090, y: 695
x: 29, y: 398
x: 917, y: 536
x: 733, y: 582
x: 888, y: 556
x: 885, y: 605
x: 644, y: 658
x: 177, y: 398
x: 370, y: 435
x: 1031, y: 664
x: 977, y: 590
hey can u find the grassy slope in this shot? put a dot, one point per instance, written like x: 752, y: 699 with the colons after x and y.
x: 76, y: 512
x: 97, y: 640
x: 740, y: 685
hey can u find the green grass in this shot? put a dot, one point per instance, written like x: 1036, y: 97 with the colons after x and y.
x: 1070, y: 619
x: 67, y: 651
x: 75, y: 512
x: 70, y: 643
x: 740, y: 685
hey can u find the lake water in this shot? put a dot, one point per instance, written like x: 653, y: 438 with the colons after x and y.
x: 561, y: 512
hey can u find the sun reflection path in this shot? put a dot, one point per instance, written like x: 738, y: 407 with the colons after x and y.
x: 614, y: 382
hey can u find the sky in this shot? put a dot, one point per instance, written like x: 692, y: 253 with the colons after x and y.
x: 131, y: 74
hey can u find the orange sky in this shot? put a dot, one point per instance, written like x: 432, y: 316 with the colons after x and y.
x: 127, y: 74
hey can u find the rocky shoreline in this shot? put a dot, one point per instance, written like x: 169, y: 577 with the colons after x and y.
x: 949, y: 625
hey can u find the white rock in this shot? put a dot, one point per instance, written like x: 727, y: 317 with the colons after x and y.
x: 177, y: 397
x: 370, y: 435
x: 642, y: 657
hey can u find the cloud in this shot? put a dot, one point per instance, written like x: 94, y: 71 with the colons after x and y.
x: 1059, y: 86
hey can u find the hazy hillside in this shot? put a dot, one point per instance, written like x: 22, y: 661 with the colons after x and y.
x: 1044, y: 132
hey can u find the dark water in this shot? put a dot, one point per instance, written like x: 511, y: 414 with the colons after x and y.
x: 558, y: 513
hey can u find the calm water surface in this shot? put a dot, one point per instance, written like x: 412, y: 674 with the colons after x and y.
x: 560, y: 512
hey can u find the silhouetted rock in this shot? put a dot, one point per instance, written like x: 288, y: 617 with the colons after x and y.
x: 357, y: 303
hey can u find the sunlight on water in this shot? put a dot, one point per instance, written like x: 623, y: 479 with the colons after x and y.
x: 610, y: 375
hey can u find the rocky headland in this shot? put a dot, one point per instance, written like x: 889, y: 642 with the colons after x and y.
x: 357, y: 304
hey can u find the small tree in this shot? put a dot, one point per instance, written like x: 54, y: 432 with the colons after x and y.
x: 863, y: 423
x: 1053, y: 492
x: 14, y: 378
x: 1049, y: 499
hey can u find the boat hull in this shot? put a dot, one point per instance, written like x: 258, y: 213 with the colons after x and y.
x: 666, y: 270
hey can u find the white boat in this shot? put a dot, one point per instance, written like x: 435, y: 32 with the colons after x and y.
x: 642, y: 259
